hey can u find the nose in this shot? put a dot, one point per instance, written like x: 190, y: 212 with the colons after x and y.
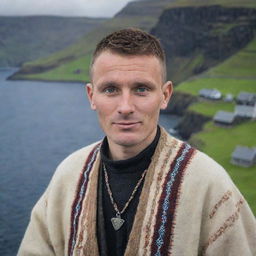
x: 126, y: 105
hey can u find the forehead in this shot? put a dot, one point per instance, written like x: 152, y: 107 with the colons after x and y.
x: 109, y: 64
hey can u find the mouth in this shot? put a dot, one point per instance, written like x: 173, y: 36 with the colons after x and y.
x: 126, y: 125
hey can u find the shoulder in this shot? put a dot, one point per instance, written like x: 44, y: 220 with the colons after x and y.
x: 207, y: 175
x: 195, y: 163
x: 200, y: 172
x: 69, y: 170
x: 205, y: 166
x: 77, y: 158
x: 212, y: 185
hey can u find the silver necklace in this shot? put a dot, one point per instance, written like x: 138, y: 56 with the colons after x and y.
x: 117, y: 221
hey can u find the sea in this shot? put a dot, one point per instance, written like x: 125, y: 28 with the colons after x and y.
x: 40, y: 124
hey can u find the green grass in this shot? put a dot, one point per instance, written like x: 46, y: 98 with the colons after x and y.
x: 81, y: 51
x: 184, y: 66
x: 210, y: 108
x: 236, y: 74
x: 222, y: 28
x: 219, y: 143
x: 241, y: 65
x: 25, y: 39
x: 146, y: 22
x: 67, y: 72
x: 224, y: 85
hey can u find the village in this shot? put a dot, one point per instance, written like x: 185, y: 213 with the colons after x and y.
x: 245, y: 110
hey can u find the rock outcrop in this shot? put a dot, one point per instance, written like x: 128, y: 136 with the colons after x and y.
x: 197, y: 38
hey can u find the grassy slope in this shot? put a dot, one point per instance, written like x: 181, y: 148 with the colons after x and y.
x: 31, y: 37
x: 219, y: 143
x: 230, y: 3
x: 234, y: 75
x: 83, y: 49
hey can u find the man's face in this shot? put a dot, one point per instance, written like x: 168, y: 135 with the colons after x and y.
x: 128, y: 92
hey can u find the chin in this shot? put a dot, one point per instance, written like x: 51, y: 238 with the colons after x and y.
x: 127, y: 141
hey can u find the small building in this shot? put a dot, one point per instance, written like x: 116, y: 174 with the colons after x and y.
x: 229, y: 97
x: 244, y: 156
x: 77, y: 71
x: 211, y: 94
x: 245, y: 111
x: 246, y: 98
x: 224, y: 118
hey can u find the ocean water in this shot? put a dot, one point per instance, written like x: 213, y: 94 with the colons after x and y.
x: 40, y: 124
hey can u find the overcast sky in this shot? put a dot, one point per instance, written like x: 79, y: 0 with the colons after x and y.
x: 91, y: 8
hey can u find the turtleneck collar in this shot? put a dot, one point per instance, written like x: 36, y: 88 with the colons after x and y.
x: 137, y: 163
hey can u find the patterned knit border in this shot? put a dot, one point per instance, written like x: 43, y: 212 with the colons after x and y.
x: 168, y: 201
x: 77, y: 204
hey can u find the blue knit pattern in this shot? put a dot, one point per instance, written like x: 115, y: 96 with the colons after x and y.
x: 166, y: 204
x: 81, y: 196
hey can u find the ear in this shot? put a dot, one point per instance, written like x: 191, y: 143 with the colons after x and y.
x: 89, y: 90
x: 167, y: 93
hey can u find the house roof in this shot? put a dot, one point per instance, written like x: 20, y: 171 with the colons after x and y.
x: 224, y: 117
x: 229, y: 97
x: 244, y: 110
x: 246, y: 97
x: 210, y: 93
x: 244, y: 153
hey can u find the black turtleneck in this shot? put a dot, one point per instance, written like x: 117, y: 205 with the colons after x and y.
x: 123, y: 177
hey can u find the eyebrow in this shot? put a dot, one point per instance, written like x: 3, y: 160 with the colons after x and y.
x: 135, y: 84
x: 145, y: 83
x: 107, y: 84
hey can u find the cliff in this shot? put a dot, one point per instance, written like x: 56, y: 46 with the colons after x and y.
x: 197, y: 38
x: 192, y: 33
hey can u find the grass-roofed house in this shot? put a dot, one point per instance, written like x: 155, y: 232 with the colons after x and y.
x: 246, y: 98
x: 245, y: 111
x: 212, y: 94
x: 244, y: 156
x: 224, y: 118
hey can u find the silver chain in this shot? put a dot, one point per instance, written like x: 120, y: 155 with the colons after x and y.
x: 111, y: 195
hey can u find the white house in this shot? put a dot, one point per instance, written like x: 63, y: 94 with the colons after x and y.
x: 212, y: 94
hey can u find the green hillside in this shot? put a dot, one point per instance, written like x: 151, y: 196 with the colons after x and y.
x: 28, y: 38
x: 228, y: 3
x: 72, y: 63
x: 234, y: 75
x: 64, y: 64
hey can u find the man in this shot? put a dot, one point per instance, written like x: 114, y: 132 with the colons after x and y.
x: 139, y: 191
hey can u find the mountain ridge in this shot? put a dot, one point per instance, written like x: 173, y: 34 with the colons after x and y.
x: 71, y: 64
x: 26, y: 38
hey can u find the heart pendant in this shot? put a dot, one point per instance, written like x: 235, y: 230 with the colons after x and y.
x: 117, y: 223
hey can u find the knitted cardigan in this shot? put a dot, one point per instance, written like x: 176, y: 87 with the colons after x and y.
x: 188, y: 206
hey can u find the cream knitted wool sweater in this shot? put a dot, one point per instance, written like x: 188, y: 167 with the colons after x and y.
x: 188, y: 206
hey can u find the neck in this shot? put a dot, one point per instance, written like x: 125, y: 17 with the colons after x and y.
x: 120, y: 152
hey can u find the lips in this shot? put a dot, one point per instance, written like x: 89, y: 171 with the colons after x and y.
x: 126, y: 125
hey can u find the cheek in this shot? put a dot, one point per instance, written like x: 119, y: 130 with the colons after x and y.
x: 151, y: 108
x: 104, y: 108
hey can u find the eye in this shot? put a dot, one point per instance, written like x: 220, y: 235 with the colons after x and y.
x: 110, y: 90
x: 142, y: 89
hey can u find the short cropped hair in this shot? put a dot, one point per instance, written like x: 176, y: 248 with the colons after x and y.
x: 131, y: 41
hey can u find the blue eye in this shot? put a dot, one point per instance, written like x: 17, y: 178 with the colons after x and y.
x: 141, y: 89
x: 110, y: 90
